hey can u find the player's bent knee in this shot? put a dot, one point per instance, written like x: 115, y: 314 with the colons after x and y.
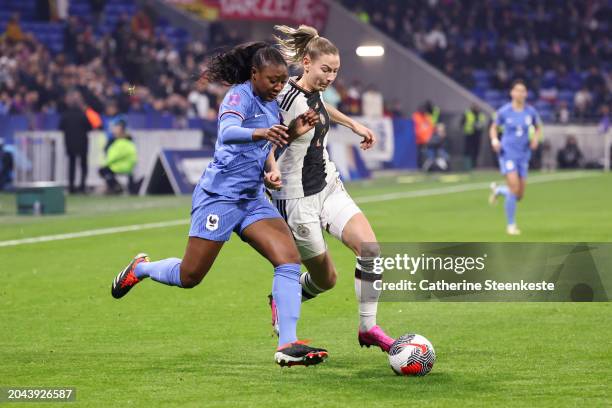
x: 291, y: 257
x: 325, y: 280
x: 331, y: 280
x: 190, y: 278
x: 369, y: 250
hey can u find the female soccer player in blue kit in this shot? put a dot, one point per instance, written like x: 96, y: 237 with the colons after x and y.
x: 230, y: 194
x: 522, y: 128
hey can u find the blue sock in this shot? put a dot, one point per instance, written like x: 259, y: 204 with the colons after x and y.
x: 510, y: 208
x: 502, y: 190
x: 287, y: 293
x: 166, y: 271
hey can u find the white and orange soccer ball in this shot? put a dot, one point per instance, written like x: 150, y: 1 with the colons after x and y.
x: 412, y: 355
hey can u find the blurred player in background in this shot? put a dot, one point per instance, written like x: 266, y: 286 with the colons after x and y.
x: 521, y: 130
x: 230, y: 195
x: 306, y: 187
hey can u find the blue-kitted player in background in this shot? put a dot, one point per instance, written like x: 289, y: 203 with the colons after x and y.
x: 230, y: 195
x: 521, y: 130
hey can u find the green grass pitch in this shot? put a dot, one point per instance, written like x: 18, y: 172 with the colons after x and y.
x: 212, y: 345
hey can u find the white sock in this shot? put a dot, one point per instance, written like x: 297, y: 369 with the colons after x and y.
x: 367, y: 296
x: 309, y: 288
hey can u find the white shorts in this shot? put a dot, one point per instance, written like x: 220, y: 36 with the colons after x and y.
x: 330, y: 210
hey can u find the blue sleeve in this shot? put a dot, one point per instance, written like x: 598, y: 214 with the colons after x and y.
x: 231, y: 130
x: 233, y: 111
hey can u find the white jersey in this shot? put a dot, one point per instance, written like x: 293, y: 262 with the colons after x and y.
x: 304, y: 164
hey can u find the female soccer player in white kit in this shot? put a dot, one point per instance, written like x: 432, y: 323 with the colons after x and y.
x: 306, y: 188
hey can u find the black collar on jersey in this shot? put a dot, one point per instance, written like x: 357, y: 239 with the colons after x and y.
x: 296, y: 86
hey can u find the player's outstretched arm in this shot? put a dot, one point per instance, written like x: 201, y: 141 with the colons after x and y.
x: 368, y: 137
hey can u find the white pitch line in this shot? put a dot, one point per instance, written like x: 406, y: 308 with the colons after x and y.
x: 93, y: 233
x: 359, y: 200
x: 463, y: 188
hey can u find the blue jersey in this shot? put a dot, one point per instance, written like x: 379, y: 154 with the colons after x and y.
x: 237, y: 168
x: 516, y: 127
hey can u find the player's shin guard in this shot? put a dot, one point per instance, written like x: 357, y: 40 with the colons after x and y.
x: 286, y: 290
x: 166, y: 271
x: 367, y: 296
x: 309, y: 288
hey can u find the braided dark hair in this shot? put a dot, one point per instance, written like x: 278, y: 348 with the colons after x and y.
x: 235, y: 66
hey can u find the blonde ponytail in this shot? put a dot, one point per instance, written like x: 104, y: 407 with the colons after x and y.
x: 296, y: 43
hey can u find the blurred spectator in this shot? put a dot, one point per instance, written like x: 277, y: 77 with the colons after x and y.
x: 141, y: 24
x: 562, y: 114
x: 582, y: 103
x: 437, y: 154
x: 97, y: 8
x: 332, y: 97
x: 423, y: 130
x: 394, y: 109
x: 372, y: 103
x: 433, y: 111
x: 61, y: 9
x: 75, y: 125
x: 111, y: 118
x: 121, y: 158
x: 200, y: 101
x: 474, y: 121
x: 6, y: 166
x: 570, y: 156
x: 13, y: 31
x: 604, y: 121
x: 548, y: 157
x: 353, y: 103
x: 5, y: 103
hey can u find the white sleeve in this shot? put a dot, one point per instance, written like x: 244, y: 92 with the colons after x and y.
x: 293, y: 108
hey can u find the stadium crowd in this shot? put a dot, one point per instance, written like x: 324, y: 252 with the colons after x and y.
x: 130, y: 67
x: 563, y: 49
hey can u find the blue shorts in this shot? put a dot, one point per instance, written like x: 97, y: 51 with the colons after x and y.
x: 214, y: 217
x: 507, y: 165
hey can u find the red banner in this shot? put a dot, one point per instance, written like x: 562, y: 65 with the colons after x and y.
x: 310, y: 12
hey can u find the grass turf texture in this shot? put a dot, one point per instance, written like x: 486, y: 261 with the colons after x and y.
x: 212, y: 345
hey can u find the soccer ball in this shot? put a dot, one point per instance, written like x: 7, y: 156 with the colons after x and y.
x: 412, y: 354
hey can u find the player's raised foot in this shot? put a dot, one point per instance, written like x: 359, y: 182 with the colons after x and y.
x: 493, y: 194
x: 512, y: 229
x: 272, y: 304
x: 126, y: 279
x: 299, y: 353
x: 375, y: 337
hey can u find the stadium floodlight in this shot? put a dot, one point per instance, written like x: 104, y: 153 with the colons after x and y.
x: 370, y: 51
